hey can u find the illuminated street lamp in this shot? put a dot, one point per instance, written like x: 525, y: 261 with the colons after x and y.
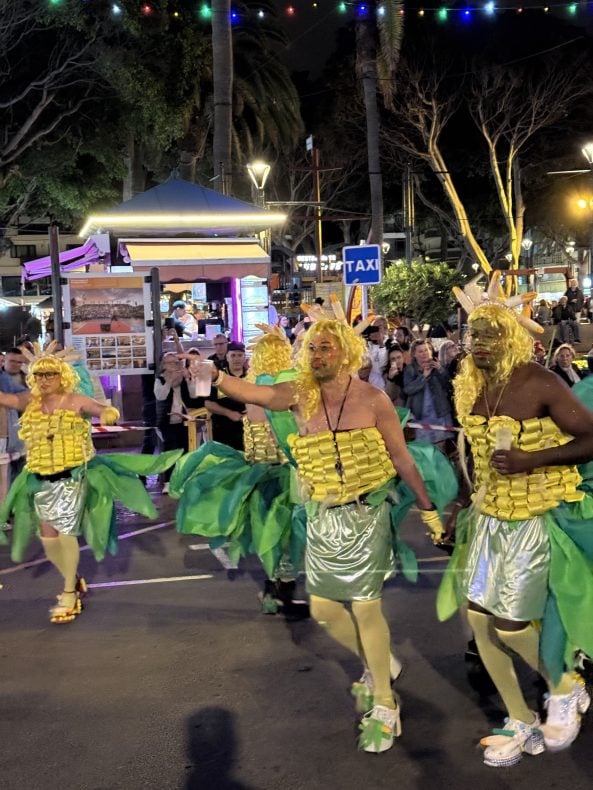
x: 258, y: 173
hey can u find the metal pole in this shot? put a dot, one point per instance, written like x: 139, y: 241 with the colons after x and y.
x: 56, y: 286
x: 318, y: 236
x: 155, y: 294
x: 364, y: 302
x: 408, y: 201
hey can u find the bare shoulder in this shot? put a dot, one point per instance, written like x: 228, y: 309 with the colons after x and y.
x: 362, y: 389
x: 371, y: 397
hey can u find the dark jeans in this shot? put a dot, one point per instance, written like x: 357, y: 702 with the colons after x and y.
x: 175, y: 438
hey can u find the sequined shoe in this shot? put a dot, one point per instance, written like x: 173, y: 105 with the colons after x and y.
x: 506, y: 747
x: 363, y: 690
x: 563, y: 721
x: 67, y: 608
x: 378, y: 728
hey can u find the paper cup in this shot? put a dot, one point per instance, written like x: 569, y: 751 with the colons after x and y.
x: 504, y: 439
x: 200, y: 382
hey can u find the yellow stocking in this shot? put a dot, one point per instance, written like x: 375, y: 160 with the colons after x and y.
x: 526, y: 644
x: 375, y: 640
x: 70, y: 558
x: 337, y: 621
x: 499, y: 665
x: 53, y: 551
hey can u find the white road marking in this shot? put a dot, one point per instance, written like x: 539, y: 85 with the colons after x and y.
x: 444, y: 558
x: 124, y: 536
x: 224, y: 559
x: 131, y: 582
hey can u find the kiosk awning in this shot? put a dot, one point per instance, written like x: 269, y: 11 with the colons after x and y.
x: 197, y: 259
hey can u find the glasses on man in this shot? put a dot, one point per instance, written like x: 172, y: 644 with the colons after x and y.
x: 45, y: 375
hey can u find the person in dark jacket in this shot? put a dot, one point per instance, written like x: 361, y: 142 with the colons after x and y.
x: 227, y: 414
x: 172, y: 399
x: 426, y: 387
x: 563, y: 365
x: 563, y: 316
x: 575, y: 298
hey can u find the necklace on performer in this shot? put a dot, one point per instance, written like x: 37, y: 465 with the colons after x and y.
x: 339, y: 465
x: 497, y: 404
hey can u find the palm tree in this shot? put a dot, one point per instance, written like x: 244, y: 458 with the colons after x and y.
x: 222, y: 71
x: 378, y: 40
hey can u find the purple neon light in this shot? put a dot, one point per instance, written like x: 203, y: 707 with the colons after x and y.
x: 237, y: 331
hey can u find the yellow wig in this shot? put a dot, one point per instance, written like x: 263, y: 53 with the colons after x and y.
x: 271, y: 354
x: 69, y: 379
x: 518, y: 350
x: 352, y: 347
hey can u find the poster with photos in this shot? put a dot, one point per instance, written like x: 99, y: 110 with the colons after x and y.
x: 106, y: 319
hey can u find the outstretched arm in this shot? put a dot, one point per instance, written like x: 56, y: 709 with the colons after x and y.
x: 276, y: 397
x: 107, y: 414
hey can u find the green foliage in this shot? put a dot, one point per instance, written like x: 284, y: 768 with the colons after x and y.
x: 421, y: 291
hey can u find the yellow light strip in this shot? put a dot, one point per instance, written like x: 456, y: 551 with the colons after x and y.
x: 173, y: 220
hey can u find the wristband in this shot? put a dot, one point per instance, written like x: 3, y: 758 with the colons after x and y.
x: 432, y: 520
x: 217, y: 381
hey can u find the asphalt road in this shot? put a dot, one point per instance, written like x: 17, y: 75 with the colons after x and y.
x: 183, y: 684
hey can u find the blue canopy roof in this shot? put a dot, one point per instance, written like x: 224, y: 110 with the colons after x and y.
x: 176, y: 196
x: 182, y: 202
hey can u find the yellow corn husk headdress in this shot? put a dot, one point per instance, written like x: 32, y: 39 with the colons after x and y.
x: 492, y: 307
x: 472, y: 297
x: 317, y: 313
x: 49, y: 360
x: 271, y: 352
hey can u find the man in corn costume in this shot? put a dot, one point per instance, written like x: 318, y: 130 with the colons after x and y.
x: 520, y: 548
x: 243, y: 498
x: 65, y: 489
x: 347, y: 447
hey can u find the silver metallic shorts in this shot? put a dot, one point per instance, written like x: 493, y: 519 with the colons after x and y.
x: 507, y: 567
x: 349, y: 552
x: 60, y: 504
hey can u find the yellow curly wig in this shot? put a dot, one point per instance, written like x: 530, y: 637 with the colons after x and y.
x: 271, y: 354
x: 69, y: 379
x: 518, y: 350
x: 352, y: 347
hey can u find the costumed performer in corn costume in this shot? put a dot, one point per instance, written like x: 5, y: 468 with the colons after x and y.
x: 348, y: 447
x: 65, y: 489
x: 523, y: 548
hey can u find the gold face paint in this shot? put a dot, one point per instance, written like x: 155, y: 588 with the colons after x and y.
x: 486, y: 343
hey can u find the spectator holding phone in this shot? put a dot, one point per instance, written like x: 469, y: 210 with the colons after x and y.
x: 426, y: 386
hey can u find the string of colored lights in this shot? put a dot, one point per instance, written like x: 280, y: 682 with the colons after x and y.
x: 360, y: 9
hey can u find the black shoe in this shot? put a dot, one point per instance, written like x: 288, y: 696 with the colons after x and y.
x: 285, y: 592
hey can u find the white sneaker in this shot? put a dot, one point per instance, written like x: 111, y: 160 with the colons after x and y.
x: 563, y: 721
x: 166, y: 488
x: 363, y: 690
x: 395, y: 667
x: 506, y: 747
x: 378, y: 729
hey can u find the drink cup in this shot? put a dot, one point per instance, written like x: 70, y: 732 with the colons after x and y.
x: 504, y: 438
x: 200, y: 382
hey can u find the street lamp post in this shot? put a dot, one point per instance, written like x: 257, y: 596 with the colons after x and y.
x: 587, y: 151
x: 258, y: 173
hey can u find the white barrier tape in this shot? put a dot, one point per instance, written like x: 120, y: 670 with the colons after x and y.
x: 427, y: 426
